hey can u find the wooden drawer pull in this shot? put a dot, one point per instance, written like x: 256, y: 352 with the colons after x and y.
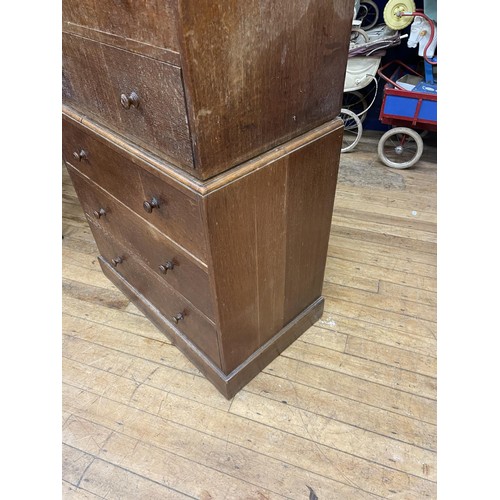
x: 149, y: 205
x: 168, y: 266
x: 99, y: 213
x: 129, y: 100
x: 116, y: 261
x: 82, y: 155
x: 178, y: 317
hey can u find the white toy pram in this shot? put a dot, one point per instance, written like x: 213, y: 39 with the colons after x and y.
x: 367, y: 47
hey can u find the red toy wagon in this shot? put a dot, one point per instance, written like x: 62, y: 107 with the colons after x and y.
x: 409, y: 103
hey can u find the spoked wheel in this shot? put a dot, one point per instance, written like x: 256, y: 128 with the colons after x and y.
x: 368, y: 14
x: 353, y: 129
x: 355, y: 101
x: 400, y: 147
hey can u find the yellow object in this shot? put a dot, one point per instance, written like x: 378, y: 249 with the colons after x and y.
x: 393, y: 8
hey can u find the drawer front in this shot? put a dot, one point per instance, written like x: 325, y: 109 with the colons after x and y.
x: 173, y: 306
x: 152, y: 22
x: 165, y: 259
x: 178, y: 215
x: 138, y: 97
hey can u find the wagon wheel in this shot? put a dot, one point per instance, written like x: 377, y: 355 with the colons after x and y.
x: 400, y: 147
x: 368, y: 14
x: 352, y: 130
x: 355, y: 101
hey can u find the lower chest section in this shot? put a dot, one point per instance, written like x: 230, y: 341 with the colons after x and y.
x: 232, y: 273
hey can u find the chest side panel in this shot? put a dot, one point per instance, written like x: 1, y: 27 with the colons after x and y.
x: 259, y: 72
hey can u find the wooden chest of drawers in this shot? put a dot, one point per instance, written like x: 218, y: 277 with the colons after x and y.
x: 203, y: 145
x: 203, y: 84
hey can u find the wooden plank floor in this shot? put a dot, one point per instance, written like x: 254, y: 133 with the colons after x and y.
x: 348, y: 411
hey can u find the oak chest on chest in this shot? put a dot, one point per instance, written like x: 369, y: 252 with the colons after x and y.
x: 203, y: 144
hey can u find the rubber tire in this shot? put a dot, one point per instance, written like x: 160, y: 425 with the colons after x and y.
x: 376, y: 10
x: 359, y: 126
x: 400, y: 130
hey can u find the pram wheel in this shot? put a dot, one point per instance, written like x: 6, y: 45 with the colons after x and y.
x: 359, y: 36
x: 355, y: 101
x: 400, y: 147
x: 353, y: 129
x: 368, y: 14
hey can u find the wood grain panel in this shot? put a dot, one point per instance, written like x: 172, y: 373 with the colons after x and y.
x: 96, y: 75
x: 104, y: 166
x: 259, y: 72
x: 178, y: 215
x: 137, y: 20
x: 231, y: 231
x: 248, y: 258
x: 268, y: 237
x: 311, y: 183
x: 271, y: 205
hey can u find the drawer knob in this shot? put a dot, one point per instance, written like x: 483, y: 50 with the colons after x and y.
x: 168, y: 266
x: 82, y: 155
x: 99, y: 213
x: 149, y: 205
x: 116, y: 261
x: 131, y: 100
x: 178, y: 317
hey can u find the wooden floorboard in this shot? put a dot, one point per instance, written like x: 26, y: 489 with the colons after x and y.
x: 348, y: 411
